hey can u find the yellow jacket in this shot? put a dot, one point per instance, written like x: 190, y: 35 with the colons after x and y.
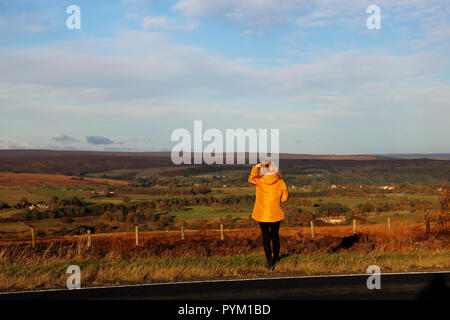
x: 270, y: 192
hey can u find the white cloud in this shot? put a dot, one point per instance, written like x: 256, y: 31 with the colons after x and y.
x: 254, y: 13
x: 27, y: 22
x: 167, y: 23
x: 163, y: 69
x: 8, y: 145
x: 166, y: 79
x: 157, y: 21
x: 257, y: 14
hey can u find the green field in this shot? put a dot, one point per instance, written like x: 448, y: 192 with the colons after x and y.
x: 48, y: 225
x: 199, y: 212
x: 12, y: 196
x: 60, y: 193
x: 394, y: 216
x: 353, y: 201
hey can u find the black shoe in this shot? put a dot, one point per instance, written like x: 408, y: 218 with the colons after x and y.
x: 269, y: 265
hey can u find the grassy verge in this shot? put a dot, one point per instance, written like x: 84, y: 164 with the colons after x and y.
x: 18, y: 276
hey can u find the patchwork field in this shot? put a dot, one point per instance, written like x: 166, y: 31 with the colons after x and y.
x: 23, y: 180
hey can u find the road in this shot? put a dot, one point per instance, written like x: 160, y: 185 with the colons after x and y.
x: 393, y: 286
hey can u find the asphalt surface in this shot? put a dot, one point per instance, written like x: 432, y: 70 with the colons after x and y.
x: 393, y: 286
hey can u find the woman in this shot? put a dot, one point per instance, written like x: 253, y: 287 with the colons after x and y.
x: 270, y: 192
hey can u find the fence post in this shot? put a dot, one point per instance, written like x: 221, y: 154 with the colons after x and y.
x: 312, y: 229
x: 389, y: 224
x: 89, y: 238
x: 221, y: 232
x: 354, y: 226
x: 33, y: 238
x: 182, y: 232
x: 137, y: 236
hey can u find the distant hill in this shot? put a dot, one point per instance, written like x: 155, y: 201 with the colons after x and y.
x: 81, y: 162
x: 441, y: 156
x: 330, y: 156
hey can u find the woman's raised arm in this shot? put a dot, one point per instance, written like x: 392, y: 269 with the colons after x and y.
x: 254, y: 174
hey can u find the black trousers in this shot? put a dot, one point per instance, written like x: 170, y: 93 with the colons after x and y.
x: 269, y: 232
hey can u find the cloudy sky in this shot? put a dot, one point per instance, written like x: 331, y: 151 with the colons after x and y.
x: 138, y: 69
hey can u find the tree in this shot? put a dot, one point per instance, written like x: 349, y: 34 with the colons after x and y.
x: 164, y: 221
x: 54, y: 201
x: 23, y: 203
x: 126, y: 200
x: 228, y: 222
x: 108, y: 216
x: 305, y: 217
x: 130, y: 218
x: 4, y: 205
x: 366, y: 207
x: 76, y: 202
x: 35, y: 214
x: 427, y: 222
x: 444, y: 212
x: 123, y: 216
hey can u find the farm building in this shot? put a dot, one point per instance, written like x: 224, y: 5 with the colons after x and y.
x: 333, y: 220
x: 38, y: 205
x: 387, y: 188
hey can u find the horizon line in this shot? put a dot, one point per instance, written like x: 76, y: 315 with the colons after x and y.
x: 281, y: 153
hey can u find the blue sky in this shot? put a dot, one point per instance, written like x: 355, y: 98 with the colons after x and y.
x: 138, y: 69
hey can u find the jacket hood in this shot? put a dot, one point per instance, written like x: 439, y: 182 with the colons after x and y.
x: 270, y: 179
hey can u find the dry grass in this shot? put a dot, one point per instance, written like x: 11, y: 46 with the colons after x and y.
x: 118, y: 271
x: 404, y: 236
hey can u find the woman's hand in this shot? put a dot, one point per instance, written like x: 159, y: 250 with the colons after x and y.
x: 265, y: 165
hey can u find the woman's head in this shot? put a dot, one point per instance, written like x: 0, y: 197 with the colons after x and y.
x: 268, y: 169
